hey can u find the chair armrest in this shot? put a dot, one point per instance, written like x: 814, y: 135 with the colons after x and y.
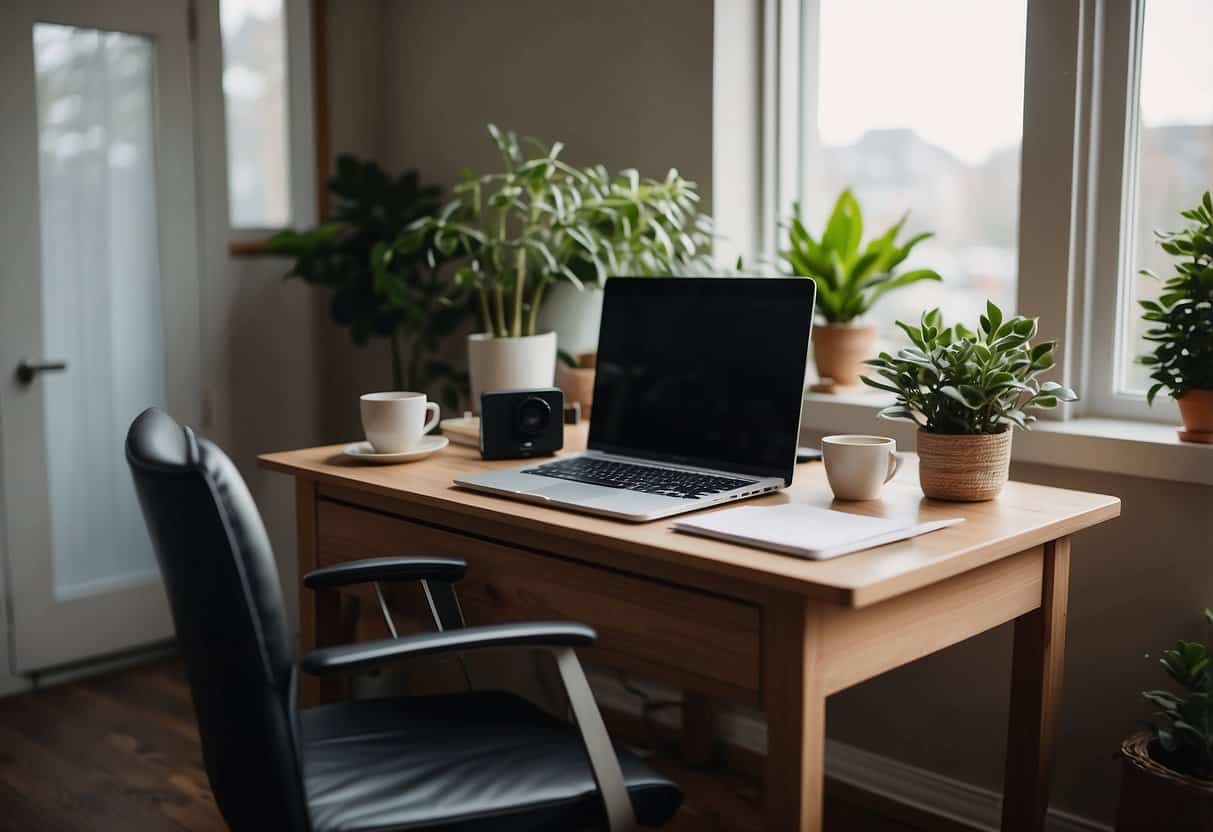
x: 559, y: 637
x: 370, y: 653
x: 387, y: 569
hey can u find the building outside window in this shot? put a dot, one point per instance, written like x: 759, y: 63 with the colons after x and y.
x: 920, y: 109
x: 256, y: 96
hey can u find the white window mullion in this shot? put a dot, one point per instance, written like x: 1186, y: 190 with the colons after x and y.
x: 1113, y: 268
x: 1050, y: 177
x: 782, y: 113
x: 809, y: 71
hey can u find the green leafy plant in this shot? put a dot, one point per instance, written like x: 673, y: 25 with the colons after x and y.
x: 1185, y: 734
x: 850, y: 277
x: 407, y: 304
x: 1182, y: 334
x: 957, y: 381
x: 540, y: 220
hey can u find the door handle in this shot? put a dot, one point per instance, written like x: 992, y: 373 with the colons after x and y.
x: 27, y: 372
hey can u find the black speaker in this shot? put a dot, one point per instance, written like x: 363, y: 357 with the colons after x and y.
x: 518, y: 424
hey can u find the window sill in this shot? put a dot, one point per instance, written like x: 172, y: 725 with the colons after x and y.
x: 246, y: 248
x: 249, y: 242
x: 1114, y: 446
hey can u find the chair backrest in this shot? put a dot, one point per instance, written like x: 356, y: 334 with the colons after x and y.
x: 222, y: 584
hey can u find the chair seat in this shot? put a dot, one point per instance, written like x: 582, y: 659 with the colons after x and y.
x: 459, y: 763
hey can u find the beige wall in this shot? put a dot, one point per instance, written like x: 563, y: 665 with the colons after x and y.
x: 625, y: 83
x: 358, y: 114
x: 265, y: 383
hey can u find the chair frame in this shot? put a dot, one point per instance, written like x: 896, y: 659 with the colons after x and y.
x: 437, y: 577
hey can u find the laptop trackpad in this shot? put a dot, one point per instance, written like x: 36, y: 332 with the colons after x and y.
x: 572, y: 492
x: 618, y: 500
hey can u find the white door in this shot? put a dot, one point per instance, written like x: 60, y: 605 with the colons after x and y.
x: 99, y: 309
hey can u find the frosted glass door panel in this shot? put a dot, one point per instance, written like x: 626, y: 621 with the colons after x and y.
x: 101, y: 303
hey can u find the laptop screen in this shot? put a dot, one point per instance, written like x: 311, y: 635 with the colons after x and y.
x: 703, y: 371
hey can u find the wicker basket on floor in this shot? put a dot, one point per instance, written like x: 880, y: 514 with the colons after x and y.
x: 1153, y: 797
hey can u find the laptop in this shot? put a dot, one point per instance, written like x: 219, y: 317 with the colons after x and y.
x: 697, y: 399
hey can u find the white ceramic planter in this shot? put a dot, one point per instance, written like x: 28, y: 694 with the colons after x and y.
x: 510, y: 363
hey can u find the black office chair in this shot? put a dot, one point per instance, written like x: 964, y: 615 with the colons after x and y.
x: 462, y: 762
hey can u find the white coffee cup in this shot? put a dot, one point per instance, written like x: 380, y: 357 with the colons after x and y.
x: 395, y: 422
x: 859, y: 466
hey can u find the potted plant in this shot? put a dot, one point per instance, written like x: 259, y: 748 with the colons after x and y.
x: 408, y: 305
x: 850, y: 278
x: 1182, y: 360
x: 1168, y: 769
x: 576, y: 379
x: 516, y: 232
x: 966, y: 390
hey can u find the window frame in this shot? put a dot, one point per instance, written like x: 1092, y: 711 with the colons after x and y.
x: 1078, y: 167
x: 1113, y: 167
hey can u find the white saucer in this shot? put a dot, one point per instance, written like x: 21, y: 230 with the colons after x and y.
x: 363, y: 452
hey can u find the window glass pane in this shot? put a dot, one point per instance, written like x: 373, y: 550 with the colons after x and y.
x: 920, y: 109
x: 255, y: 92
x: 1175, y: 151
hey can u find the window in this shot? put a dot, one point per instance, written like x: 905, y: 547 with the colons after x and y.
x: 1048, y: 136
x: 1151, y: 156
x: 919, y: 108
x: 256, y: 96
x: 1174, y: 156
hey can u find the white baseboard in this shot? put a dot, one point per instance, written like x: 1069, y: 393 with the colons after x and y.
x: 903, y: 783
x: 963, y: 802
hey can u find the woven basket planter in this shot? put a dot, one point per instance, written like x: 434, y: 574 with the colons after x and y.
x: 963, y: 467
x: 1153, y: 797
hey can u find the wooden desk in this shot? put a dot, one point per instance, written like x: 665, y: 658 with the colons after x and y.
x: 724, y: 621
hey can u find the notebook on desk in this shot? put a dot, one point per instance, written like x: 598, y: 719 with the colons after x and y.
x: 806, y: 531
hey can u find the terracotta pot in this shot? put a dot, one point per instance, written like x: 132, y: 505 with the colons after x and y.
x: 510, y: 363
x: 578, y: 386
x: 963, y: 467
x: 1196, y: 408
x: 1153, y: 797
x: 840, y: 349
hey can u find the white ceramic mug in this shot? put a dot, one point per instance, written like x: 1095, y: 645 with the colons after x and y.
x: 859, y: 466
x: 395, y: 422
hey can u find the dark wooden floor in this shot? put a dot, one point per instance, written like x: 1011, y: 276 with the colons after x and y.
x: 120, y: 752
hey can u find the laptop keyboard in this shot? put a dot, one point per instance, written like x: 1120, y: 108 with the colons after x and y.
x: 665, y: 481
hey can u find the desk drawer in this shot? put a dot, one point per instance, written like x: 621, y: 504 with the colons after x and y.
x: 684, y: 637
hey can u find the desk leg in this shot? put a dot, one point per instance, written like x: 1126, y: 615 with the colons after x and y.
x: 319, y: 612
x: 1036, y: 672
x: 795, y: 709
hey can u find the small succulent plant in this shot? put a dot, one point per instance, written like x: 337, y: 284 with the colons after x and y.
x: 1182, y: 317
x: 956, y: 381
